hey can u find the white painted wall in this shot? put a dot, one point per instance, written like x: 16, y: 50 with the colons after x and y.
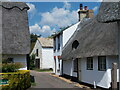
x: 102, y: 78
x: 68, y: 68
x: 58, y: 53
x: 39, y: 47
x: 47, y: 58
x: 64, y: 37
x: 20, y: 59
x: 113, y: 59
x: 68, y: 33
x: 45, y: 55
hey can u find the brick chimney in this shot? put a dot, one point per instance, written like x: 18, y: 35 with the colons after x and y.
x: 85, y: 13
x: 90, y: 14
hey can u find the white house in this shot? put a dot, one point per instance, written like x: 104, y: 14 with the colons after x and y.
x: 92, y: 50
x: 43, y: 51
x: 14, y: 32
x: 61, y: 39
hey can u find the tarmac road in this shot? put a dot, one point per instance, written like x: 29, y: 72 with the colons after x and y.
x: 45, y: 80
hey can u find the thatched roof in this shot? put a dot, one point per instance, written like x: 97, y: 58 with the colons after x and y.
x: 109, y: 12
x: 15, y: 29
x: 46, y: 42
x: 94, y: 38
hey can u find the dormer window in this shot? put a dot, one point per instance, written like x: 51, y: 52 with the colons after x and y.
x: 75, y: 44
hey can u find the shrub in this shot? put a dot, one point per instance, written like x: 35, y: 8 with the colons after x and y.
x: 11, y: 67
x: 32, y: 59
x: 17, y: 80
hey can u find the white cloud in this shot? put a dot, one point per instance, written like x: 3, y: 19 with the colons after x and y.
x: 56, y: 18
x: 60, y: 17
x: 45, y: 30
x: 95, y: 8
x: 32, y: 9
x: 67, y: 5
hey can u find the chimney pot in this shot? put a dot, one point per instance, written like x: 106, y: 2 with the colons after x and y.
x: 81, y: 7
x: 86, y: 8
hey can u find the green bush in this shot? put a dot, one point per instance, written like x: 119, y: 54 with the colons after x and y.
x: 32, y: 60
x: 11, y: 67
x: 17, y: 80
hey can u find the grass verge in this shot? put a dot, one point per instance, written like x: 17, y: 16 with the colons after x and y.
x: 33, y: 84
x: 43, y: 70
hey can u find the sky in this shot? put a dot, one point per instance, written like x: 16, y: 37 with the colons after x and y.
x: 45, y: 18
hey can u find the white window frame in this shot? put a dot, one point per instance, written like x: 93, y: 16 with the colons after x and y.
x: 102, y: 63
x: 89, y: 63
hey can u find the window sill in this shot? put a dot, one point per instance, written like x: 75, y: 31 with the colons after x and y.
x: 74, y: 71
x: 89, y: 69
x: 101, y: 70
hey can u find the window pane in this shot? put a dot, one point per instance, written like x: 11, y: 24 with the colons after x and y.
x: 89, y: 63
x: 102, y: 63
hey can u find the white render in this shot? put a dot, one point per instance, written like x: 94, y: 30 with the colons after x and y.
x: 101, y: 78
x: 37, y: 46
x: 68, y: 33
x: 45, y: 54
x: 68, y: 68
x: 19, y: 59
x: 47, y: 58
x: 65, y: 35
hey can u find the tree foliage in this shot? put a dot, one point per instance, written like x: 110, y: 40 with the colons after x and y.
x: 33, y: 38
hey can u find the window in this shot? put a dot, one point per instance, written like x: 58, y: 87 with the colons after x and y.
x: 58, y: 42
x: 36, y: 52
x: 75, y: 44
x: 102, y: 63
x: 75, y: 65
x: 89, y: 63
x: 54, y: 43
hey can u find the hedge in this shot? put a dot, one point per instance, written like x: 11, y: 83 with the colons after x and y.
x: 17, y: 80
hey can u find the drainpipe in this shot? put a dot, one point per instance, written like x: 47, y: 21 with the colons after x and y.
x: 119, y: 49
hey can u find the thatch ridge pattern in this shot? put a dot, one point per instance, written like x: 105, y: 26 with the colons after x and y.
x: 11, y: 5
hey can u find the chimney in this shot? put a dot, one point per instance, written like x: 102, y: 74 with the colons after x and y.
x: 81, y: 7
x: 85, y: 13
x: 90, y: 14
x: 85, y: 8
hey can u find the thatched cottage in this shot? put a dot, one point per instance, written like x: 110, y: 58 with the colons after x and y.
x: 92, y: 50
x: 62, y: 37
x: 43, y: 51
x: 14, y: 36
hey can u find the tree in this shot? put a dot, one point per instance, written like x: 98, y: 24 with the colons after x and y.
x: 32, y: 61
x: 33, y: 38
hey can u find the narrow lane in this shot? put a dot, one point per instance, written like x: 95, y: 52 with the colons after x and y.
x: 44, y: 80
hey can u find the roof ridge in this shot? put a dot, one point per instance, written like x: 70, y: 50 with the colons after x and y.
x: 10, y: 5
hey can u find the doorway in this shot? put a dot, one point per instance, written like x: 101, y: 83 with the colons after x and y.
x: 37, y: 63
x: 79, y: 69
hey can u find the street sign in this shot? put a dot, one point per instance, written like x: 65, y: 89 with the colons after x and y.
x: 3, y: 82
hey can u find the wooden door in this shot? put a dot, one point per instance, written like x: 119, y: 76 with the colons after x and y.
x: 37, y: 63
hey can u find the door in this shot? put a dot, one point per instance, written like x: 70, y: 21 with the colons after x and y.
x: 37, y: 63
x: 55, y: 65
x: 79, y: 69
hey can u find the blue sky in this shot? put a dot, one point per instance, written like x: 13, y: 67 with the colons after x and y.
x: 47, y: 17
